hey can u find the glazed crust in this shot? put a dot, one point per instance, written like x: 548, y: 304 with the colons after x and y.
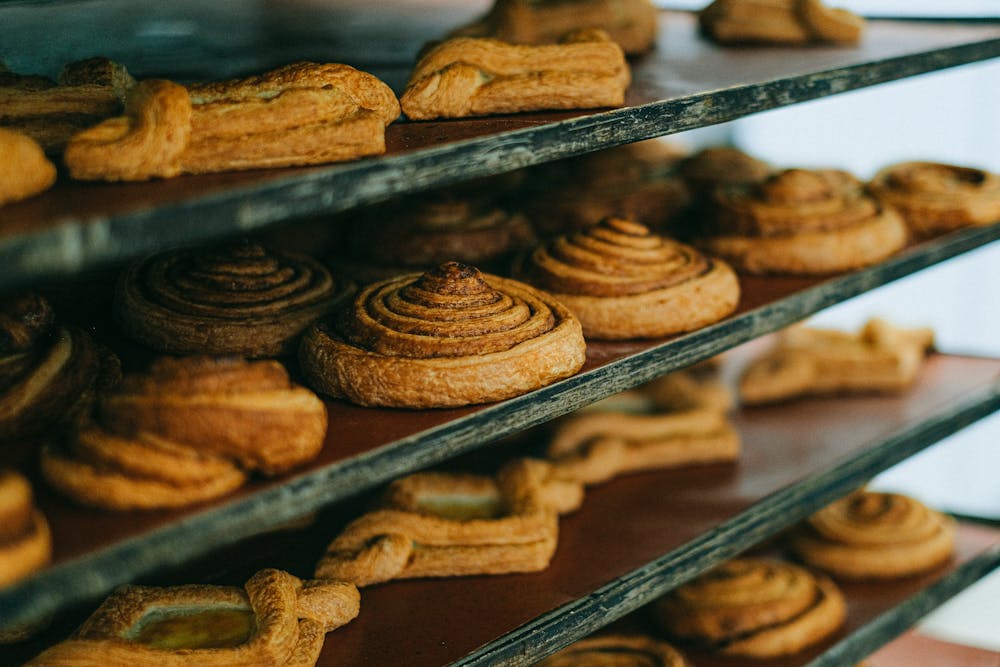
x: 779, y: 22
x: 623, y: 282
x: 25, y: 540
x: 935, y: 198
x: 239, y: 299
x: 451, y: 337
x: 24, y: 169
x: 468, y: 76
x: 870, y: 535
x: 617, y: 651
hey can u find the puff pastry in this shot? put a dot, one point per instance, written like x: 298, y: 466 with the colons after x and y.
x: 617, y: 651
x: 452, y: 336
x: 304, y: 113
x: 779, y: 22
x: 623, y: 282
x: 238, y: 299
x: 187, y: 432
x: 48, y: 372
x: 934, y: 198
x: 805, y: 361
x: 630, y: 23
x: 871, y: 535
x: 803, y: 221
x: 25, y: 540
x: 754, y: 607
x: 275, y: 619
x: 443, y: 525
x: 470, y: 76
x: 24, y: 169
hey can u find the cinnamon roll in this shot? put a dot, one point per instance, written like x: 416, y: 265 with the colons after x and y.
x: 617, y: 651
x: 802, y: 221
x: 274, y: 619
x: 871, y: 535
x: 239, y: 299
x: 452, y: 336
x: 722, y: 166
x: 24, y: 169
x: 754, y: 607
x: 621, y: 281
x: 934, y: 198
x: 25, y: 540
x: 189, y: 431
x: 779, y: 22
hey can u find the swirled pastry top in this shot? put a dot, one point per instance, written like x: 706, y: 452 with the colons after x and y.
x: 616, y: 651
x: 469, y: 76
x: 460, y: 336
x: 239, y: 299
x: 935, y: 197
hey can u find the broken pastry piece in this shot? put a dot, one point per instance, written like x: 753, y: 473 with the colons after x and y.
x: 469, y: 76
x: 779, y: 22
x: 275, y: 619
x: 872, y: 535
x: 617, y: 651
x: 446, y: 525
x: 304, y: 113
x: 190, y: 430
x: 806, y: 361
x: 630, y: 23
x: 25, y: 540
x: 24, y: 169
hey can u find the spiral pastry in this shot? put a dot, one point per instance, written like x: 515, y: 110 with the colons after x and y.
x: 452, y: 336
x: 48, y: 372
x: 934, y: 198
x: 239, y: 299
x: 722, y: 166
x: 870, y: 535
x: 754, y: 607
x: 802, y: 221
x: 617, y: 651
x: 624, y: 282
x: 25, y: 541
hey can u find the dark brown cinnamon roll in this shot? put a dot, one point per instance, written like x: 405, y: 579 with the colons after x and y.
x: 452, y: 336
x: 239, y: 299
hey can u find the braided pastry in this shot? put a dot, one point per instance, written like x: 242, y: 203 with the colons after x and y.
x: 238, y: 299
x: 187, y: 432
x: 274, y: 620
x: 802, y: 221
x: 445, y: 525
x: 24, y: 169
x: 452, y: 336
x: 616, y: 651
x: 630, y: 23
x: 755, y: 608
x: 880, y: 358
x: 935, y: 198
x: 25, y: 540
x: 779, y: 22
x: 870, y: 535
x: 621, y: 281
x: 468, y: 76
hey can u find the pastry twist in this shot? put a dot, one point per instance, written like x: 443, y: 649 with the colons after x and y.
x: 870, y: 535
x: 468, y: 76
x: 25, y: 540
x: 621, y: 281
x: 934, y: 198
x: 239, y: 299
x: 754, y: 607
x: 779, y: 22
x: 452, y: 336
x: 617, y: 651
x: 802, y: 221
x: 24, y: 169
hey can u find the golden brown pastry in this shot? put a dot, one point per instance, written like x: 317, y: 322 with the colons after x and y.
x: 630, y: 23
x: 622, y: 282
x: 187, y: 432
x: 275, y: 619
x: 617, y: 651
x: 445, y: 525
x: 934, y: 198
x: 803, y: 221
x: 691, y: 388
x: 470, y: 76
x: 24, y: 169
x: 779, y: 22
x: 452, y: 336
x: 722, y: 166
x: 304, y: 113
x: 871, y: 535
x: 237, y: 299
x: 48, y: 372
x: 806, y: 361
x: 753, y: 607
x: 25, y: 540
x: 88, y: 91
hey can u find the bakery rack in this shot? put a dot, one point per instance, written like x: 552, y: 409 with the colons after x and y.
x: 685, y: 83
